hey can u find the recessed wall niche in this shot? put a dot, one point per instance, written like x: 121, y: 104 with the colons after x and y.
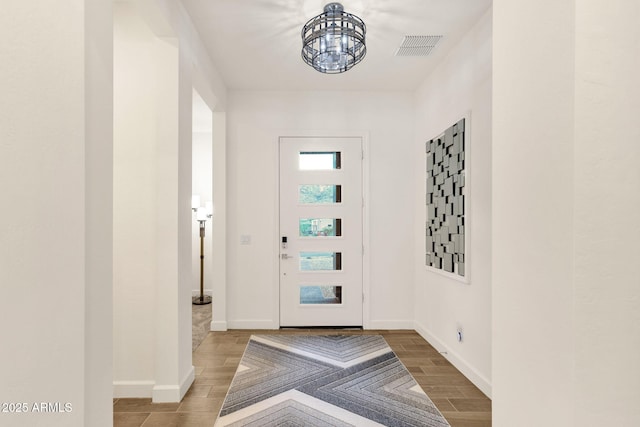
x: 445, y: 227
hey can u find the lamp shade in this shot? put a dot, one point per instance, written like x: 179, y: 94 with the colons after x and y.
x: 195, y: 201
x: 201, y: 214
x: 209, y: 208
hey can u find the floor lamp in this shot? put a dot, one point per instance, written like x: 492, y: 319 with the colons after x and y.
x: 202, y: 214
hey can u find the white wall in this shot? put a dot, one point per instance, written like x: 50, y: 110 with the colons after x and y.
x: 458, y: 87
x: 98, y: 112
x: 195, y: 71
x: 219, y: 223
x: 157, y: 56
x: 255, y: 121
x: 168, y: 18
x: 198, y: 72
x: 180, y: 201
x: 134, y: 207
x: 151, y: 284
x: 566, y: 316
x: 607, y: 197
x: 55, y: 143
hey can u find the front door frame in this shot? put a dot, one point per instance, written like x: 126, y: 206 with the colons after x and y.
x: 366, y: 282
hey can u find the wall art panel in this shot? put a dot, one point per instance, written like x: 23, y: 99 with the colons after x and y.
x: 445, y: 227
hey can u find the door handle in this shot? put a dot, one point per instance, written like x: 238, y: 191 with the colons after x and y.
x: 286, y: 256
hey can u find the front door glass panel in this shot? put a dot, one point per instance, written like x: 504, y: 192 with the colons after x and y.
x: 319, y: 160
x: 320, y: 227
x: 320, y: 261
x: 314, y: 194
x: 320, y: 294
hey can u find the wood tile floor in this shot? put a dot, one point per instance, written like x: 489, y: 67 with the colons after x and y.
x: 217, y: 358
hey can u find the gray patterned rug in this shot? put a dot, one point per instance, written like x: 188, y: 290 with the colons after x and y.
x: 325, y: 380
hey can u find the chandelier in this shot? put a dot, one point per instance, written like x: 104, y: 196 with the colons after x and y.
x: 333, y: 42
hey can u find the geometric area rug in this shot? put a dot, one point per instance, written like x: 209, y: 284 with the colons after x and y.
x: 325, y: 380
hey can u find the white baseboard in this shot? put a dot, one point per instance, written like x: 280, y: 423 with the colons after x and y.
x: 456, y: 360
x: 218, y: 325
x: 270, y: 324
x: 186, y: 382
x: 173, y: 392
x: 158, y: 393
x: 253, y: 324
x: 133, y: 389
x: 166, y: 393
x: 391, y: 324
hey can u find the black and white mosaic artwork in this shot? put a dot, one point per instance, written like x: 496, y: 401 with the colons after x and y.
x: 445, y: 226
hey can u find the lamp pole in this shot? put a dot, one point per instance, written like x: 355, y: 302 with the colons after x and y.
x: 202, y: 214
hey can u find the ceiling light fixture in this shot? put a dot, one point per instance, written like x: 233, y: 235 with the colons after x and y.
x: 333, y: 42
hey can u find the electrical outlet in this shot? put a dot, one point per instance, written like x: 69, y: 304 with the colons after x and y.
x: 460, y: 334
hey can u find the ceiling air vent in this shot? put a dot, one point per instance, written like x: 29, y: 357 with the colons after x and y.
x: 417, y: 45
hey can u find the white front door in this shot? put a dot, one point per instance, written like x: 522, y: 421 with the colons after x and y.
x: 321, y: 231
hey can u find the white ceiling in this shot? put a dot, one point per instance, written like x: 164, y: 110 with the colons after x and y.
x: 256, y: 44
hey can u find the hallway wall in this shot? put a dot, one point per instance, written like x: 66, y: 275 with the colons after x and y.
x: 135, y: 223
x: 157, y: 65
x: 256, y: 119
x: 566, y: 300
x: 460, y: 86
x: 55, y: 232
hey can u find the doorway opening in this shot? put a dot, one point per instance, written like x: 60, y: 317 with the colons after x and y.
x: 202, y: 226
